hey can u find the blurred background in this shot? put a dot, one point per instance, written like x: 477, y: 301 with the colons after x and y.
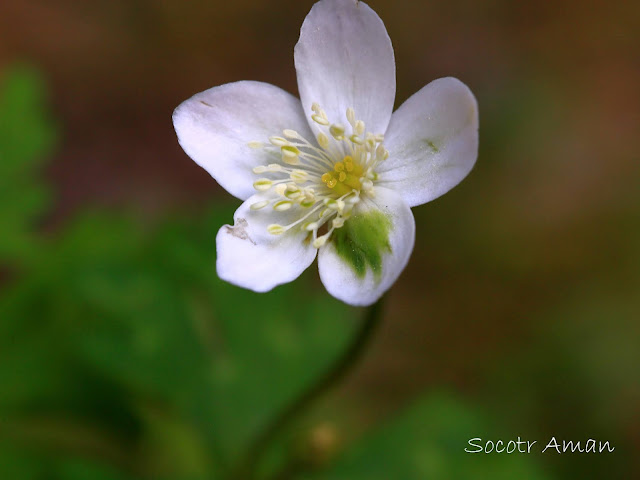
x: 123, y: 356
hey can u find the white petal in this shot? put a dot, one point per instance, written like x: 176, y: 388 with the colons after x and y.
x: 344, y: 59
x: 432, y: 141
x: 340, y: 278
x: 214, y: 128
x: 251, y: 257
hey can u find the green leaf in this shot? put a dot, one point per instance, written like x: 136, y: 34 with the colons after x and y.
x: 428, y: 441
x: 81, y: 469
x: 144, y: 313
x: 26, y: 137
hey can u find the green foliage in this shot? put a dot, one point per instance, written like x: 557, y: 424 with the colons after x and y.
x: 362, y: 241
x: 120, y: 344
x: 427, y: 441
x: 133, y: 335
x: 26, y: 137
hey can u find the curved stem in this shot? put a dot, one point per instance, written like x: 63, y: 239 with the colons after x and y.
x: 334, y: 374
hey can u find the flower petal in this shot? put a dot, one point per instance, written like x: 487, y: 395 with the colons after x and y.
x: 214, y: 128
x: 350, y: 274
x: 251, y: 257
x: 344, y: 59
x: 432, y: 141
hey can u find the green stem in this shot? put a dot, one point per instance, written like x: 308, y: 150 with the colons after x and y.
x: 334, y: 374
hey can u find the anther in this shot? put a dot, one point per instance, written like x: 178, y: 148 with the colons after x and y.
x: 262, y: 184
x: 290, y: 160
x: 320, y: 241
x: 356, y: 139
x: 320, y: 120
x: 278, y: 141
x: 292, y: 192
x: 371, y: 143
x: 276, y: 229
x: 289, y: 151
x: 323, y: 140
x: 299, y: 176
x: 281, y: 188
x: 351, y: 116
x: 331, y: 203
x: 348, y: 164
x: 337, y: 131
x: 282, y: 205
x: 293, y: 161
x: 259, y: 205
x: 290, y: 133
x: 353, y: 199
x: 310, y: 227
x: 308, y: 202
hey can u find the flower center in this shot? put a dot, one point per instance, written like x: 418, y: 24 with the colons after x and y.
x: 344, y: 177
x: 322, y: 181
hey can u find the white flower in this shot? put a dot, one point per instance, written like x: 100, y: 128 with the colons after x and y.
x: 334, y: 173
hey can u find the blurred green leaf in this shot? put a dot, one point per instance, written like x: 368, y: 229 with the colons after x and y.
x: 165, y: 325
x: 80, y: 469
x: 131, y: 331
x: 18, y: 464
x: 428, y: 441
x: 15, y: 463
x: 26, y: 137
x: 26, y: 133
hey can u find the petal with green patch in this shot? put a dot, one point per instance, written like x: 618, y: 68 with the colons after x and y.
x: 366, y: 255
x: 362, y: 241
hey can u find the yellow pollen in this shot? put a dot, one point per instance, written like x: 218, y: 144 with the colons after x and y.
x: 317, y: 187
x: 345, y: 177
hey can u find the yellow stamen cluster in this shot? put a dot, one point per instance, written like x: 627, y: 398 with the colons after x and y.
x: 329, y: 177
x: 345, y: 176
